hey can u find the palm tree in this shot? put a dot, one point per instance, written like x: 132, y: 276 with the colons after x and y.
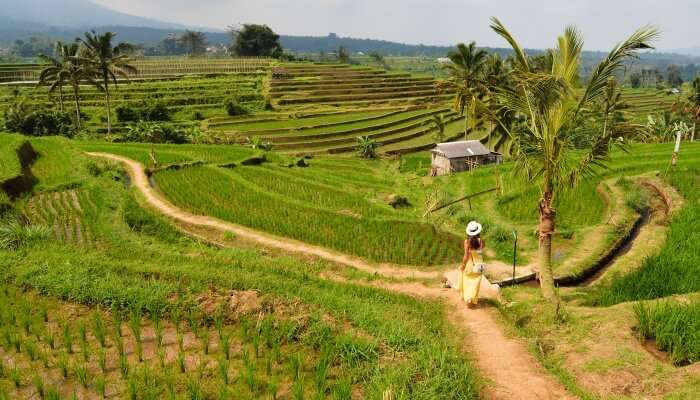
x: 543, y: 143
x: 467, y: 71
x: 439, y: 122
x: 108, y: 62
x: 55, y: 74
x: 66, y: 68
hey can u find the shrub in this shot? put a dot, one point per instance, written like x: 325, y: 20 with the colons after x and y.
x: 14, y: 234
x: 145, y: 112
x: 197, y: 116
x: 24, y: 119
x: 233, y: 107
x: 151, y: 132
x: 367, y: 147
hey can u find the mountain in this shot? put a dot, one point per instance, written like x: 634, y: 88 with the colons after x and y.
x: 72, y: 13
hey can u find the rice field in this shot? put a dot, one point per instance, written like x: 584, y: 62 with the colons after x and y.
x: 156, y: 67
x: 341, y: 226
x: 145, y: 312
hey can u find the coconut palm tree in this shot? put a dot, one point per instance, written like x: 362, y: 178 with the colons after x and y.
x: 66, y: 68
x: 55, y: 74
x: 543, y: 143
x: 108, y: 62
x: 467, y: 80
x: 439, y: 123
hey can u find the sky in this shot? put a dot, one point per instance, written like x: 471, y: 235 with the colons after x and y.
x: 536, y: 23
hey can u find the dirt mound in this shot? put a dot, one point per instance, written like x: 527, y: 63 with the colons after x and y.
x: 234, y: 303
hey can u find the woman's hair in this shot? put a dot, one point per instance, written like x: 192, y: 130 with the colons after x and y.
x: 475, y: 242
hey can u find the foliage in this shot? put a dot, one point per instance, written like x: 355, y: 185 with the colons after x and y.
x: 153, y: 132
x: 544, y: 144
x: 233, y: 106
x: 674, y: 270
x: 194, y: 42
x: 255, y: 40
x: 14, y: 234
x: 367, y: 147
x: 257, y: 143
x: 674, y: 326
x: 343, y: 55
x: 439, y: 122
x: 21, y: 118
x: 274, y: 204
x: 146, y: 111
x: 108, y: 62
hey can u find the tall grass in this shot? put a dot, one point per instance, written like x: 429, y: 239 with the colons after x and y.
x: 675, y: 327
x: 675, y: 269
x: 225, y: 195
x: 14, y: 234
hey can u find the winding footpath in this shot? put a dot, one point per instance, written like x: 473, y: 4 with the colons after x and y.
x: 511, y: 371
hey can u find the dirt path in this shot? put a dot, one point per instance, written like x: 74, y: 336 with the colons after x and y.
x: 513, y: 373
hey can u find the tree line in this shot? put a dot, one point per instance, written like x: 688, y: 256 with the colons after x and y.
x: 250, y: 40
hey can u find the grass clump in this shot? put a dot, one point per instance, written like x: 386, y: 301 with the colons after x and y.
x: 674, y: 326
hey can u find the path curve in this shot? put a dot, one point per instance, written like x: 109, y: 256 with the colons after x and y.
x: 513, y: 373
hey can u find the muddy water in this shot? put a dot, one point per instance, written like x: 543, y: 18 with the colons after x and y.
x: 626, y: 246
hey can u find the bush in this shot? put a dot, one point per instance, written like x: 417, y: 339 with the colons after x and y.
x: 14, y: 234
x: 197, y: 116
x: 233, y: 107
x: 151, y: 132
x: 145, y: 112
x: 21, y: 118
x: 367, y: 147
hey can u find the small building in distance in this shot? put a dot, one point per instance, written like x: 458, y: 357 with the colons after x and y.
x: 461, y: 156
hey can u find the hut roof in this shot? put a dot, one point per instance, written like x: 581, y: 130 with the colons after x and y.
x: 464, y: 148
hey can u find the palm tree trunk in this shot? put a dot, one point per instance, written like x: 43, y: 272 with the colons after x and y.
x: 76, y: 96
x: 546, y: 230
x: 109, y: 109
x: 466, y: 126
x: 60, y: 97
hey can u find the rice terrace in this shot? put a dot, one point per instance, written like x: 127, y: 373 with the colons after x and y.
x: 200, y: 213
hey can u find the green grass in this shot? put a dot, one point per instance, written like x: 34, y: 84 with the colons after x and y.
x: 675, y: 269
x: 10, y: 166
x: 674, y: 326
x: 143, y: 265
x: 220, y: 193
x: 170, y: 154
x: 296, y: 123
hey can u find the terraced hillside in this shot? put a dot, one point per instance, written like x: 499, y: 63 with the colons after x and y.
x: 184, y: 97
x: 304, y: 85
x: 154, y: 67
x: 397, y: 130
x: 643, y: 102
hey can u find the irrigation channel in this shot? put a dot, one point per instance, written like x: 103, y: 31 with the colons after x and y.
x: 595, y: 271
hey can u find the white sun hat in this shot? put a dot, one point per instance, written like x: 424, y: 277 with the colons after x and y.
x: 473, y: 228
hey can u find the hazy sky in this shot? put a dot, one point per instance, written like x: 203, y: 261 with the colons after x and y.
x: 445, y: 22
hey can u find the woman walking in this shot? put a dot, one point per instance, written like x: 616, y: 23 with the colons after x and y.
x: 472, y: 268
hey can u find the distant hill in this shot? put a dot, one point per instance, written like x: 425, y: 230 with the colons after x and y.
x: 72, y: 13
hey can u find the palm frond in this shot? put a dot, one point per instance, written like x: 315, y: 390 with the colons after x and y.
x: 640, y: 40
x: 521, y: 60
x: 567, y: 57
